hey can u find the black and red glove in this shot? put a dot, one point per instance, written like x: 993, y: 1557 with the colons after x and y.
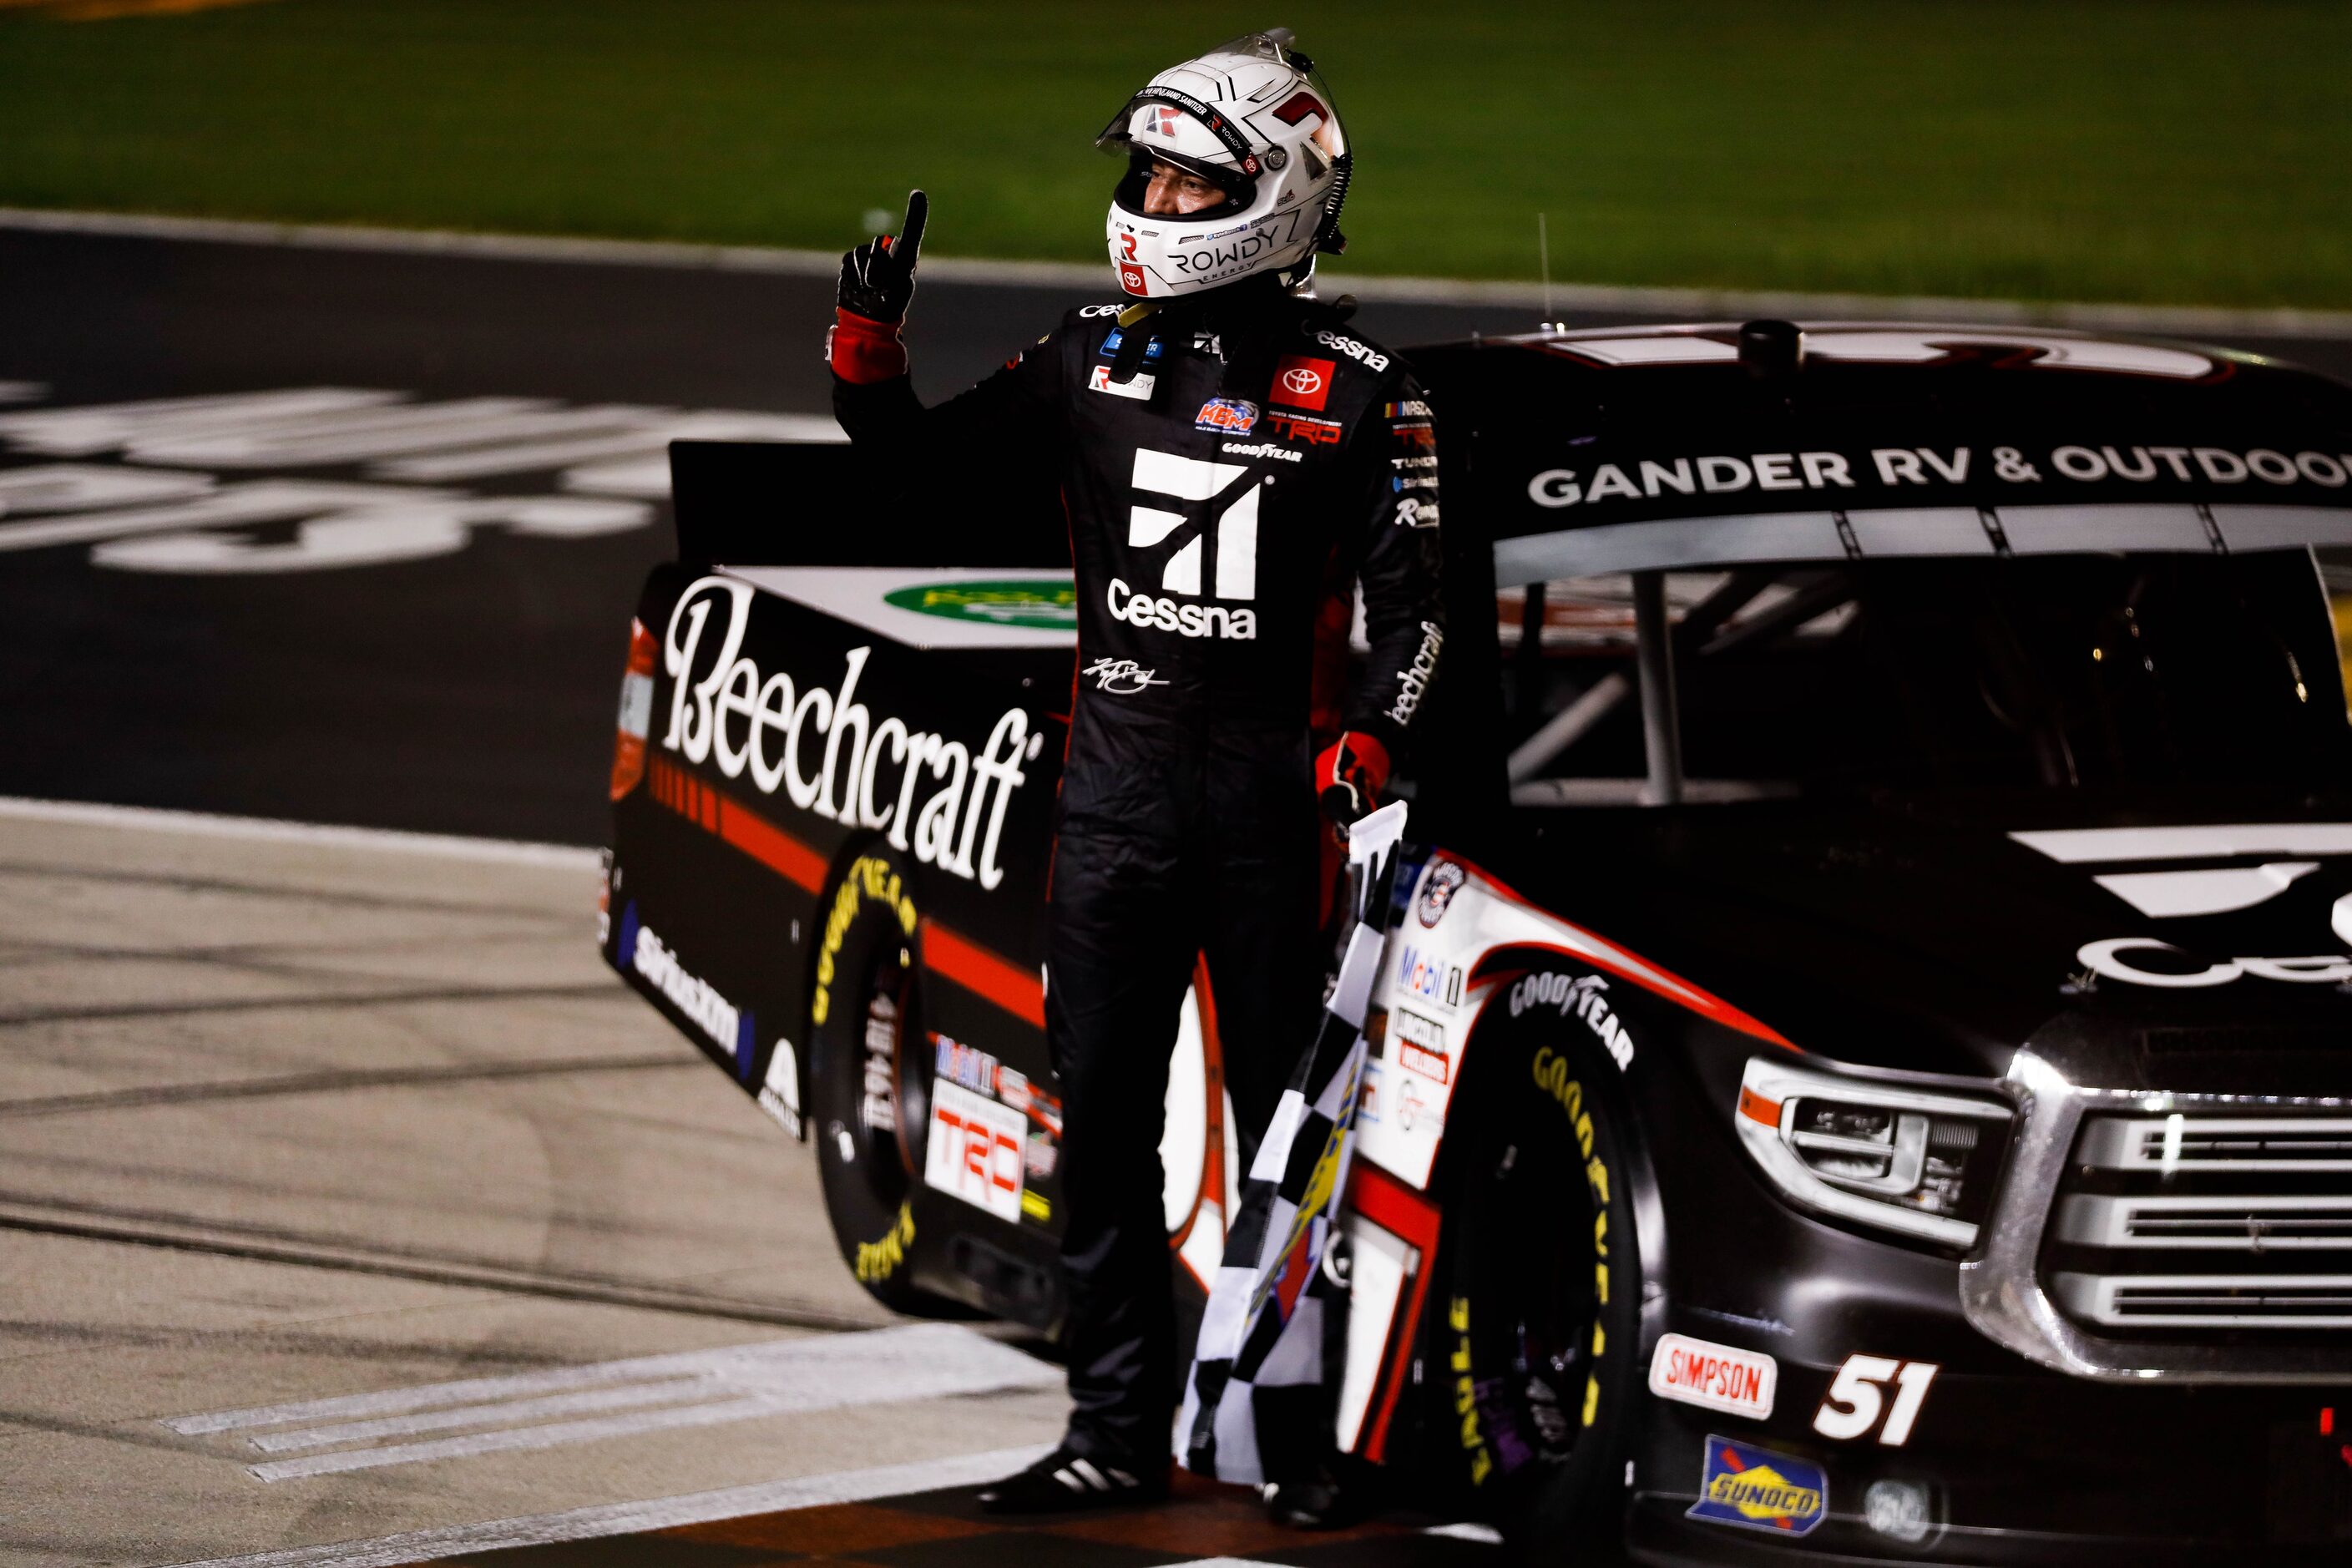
x: 1350, y: 776
x: 878, y: 283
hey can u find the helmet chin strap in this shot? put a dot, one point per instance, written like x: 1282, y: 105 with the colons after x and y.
x: 1240, y: 292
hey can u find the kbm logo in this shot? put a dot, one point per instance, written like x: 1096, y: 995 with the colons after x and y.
x: 1423, y: 974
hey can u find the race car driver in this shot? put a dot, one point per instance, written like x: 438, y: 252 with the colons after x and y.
x: 1231, y: 459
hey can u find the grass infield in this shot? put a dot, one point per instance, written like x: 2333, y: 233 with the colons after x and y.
x: 2132, y: 151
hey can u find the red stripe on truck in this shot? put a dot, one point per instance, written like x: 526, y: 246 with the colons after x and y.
x: 1020, y: 992
x: 1411, y: 1218
x: 990, y: 975
x: 771, y: 846
x: 731, y: 820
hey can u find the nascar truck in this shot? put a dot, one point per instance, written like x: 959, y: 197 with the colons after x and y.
x: 1862, y: 1067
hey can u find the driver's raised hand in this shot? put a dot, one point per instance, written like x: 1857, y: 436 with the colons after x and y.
x: 877, y: 279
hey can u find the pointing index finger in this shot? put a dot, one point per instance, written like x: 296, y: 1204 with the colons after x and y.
x: 909, y: 243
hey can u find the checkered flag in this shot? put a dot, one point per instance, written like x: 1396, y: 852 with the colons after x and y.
x: 1261, y: 1401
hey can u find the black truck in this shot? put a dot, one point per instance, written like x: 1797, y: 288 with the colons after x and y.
x: 1863, y: 1066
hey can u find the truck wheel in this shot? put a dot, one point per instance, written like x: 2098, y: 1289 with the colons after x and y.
x: 1538, y: 1325
x: 867, y: 1089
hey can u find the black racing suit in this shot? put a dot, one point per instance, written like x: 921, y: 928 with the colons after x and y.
x: 1259, y: 459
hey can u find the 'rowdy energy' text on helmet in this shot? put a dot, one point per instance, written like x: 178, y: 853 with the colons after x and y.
x: 1252, y: 117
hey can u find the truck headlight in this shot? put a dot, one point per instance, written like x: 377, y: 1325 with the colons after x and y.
x: 1900, y: 1152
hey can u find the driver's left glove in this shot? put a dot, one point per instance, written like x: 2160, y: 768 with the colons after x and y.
x: 1350, y: 776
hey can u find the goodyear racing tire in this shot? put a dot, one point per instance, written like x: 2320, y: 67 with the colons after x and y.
x: 1536, y: 1313
x: 867, y: 1085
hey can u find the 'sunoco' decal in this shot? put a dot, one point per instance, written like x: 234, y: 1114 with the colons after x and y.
x: 1046, y: 604
x: 1757, y: 1488
x: 1437, y: 890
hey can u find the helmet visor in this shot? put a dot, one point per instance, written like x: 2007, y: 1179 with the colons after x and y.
x: 1150, y: 130
x: 1132, y: 195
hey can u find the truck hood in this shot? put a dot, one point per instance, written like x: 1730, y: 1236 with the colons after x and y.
x: 2147, y: 942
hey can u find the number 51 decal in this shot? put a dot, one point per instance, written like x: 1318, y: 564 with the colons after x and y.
x: 1857, y: 1398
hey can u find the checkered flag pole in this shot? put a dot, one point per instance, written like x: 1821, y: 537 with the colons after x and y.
x: 1260, y: 1405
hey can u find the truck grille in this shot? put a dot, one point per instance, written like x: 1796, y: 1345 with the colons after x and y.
x: 2208, y: 1300
x: 2230, y: 1224
x: 2224, y: 1144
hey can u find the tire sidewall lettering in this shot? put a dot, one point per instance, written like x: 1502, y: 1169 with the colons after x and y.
x: 869, y: 879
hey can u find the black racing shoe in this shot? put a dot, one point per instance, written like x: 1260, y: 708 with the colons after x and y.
x: 1065, y: 1481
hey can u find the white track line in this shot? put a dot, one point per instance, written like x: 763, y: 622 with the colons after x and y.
x: 659, y: 1514
x: 693, y: 1388
x: 673, y: 1391
x: 563, y: 1433
x: 1696, y: 304
x: 474, y: 1391
x: 154, y: 819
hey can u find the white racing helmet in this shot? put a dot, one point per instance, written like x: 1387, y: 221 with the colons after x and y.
x: 1252, y: 117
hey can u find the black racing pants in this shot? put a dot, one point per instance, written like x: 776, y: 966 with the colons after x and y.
x: 1164, y: 854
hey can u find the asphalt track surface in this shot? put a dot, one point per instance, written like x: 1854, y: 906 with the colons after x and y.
x: 352, y: 1215
x: 350, y: 1212
x: 469, y: 693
